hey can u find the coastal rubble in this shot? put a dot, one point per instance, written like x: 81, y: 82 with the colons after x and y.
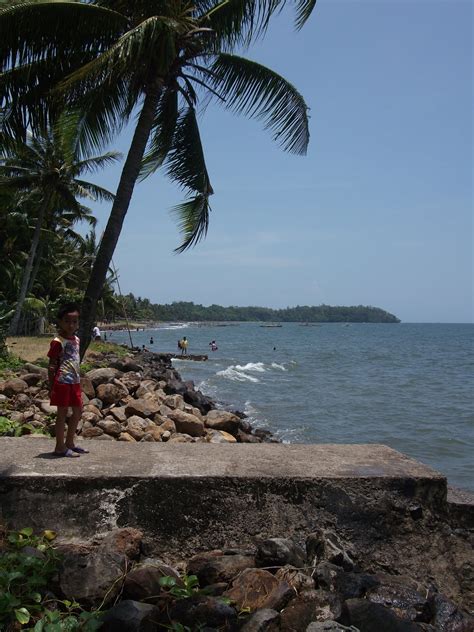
x: 233, y: 590
x: 139, y: 397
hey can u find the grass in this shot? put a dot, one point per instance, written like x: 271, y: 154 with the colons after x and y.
x: 32, y: 348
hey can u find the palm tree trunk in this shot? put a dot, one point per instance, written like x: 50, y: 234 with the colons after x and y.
x: 14, y: 325
x: 34, y: 274
x: 129, y: 176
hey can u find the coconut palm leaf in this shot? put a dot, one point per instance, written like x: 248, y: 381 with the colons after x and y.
x: 94, y: 191
x: 193, y: 220
x: 258, y: 92
x: 162, y: 134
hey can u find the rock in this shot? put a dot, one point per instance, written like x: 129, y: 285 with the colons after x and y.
x: 136, y: 426
x: 244, y: 437
x: 87, y: 387
x: 126, y: 540
x: 203, y: 609
x: 177, y: 437
x: 131, y: 616
x: 131, y: 381
x: 84, y: 399
x: 125, y: 436
x: 16, y: 415
x: 279, y: 552
x: 143, y: 581
x: 118, y: 412
x: 47, y: 409
x: 222, y: 420
x: 373, y: 617
x: 175, y: 387
x: 110, y: 426
x: 90, y: 574
x: 154, y: 431
x: 4, y: 398
x: 110, y: 393
x: 142, y: 408
x: 407, y: 598
x: 212, y: 568
x: 219, y: 436
x: 298, y: 580
x: 92, y: 418
x: 91, y: 433
x: 330, y: 626
x: 34, y: 368
x: 447, y: 616
x: 126, y: 365
x: 310, y: 606
x: 327, y: 545
x: 90, y: 408
x: 197, y: 399
x: 348, y: 585
x: 187, y: 424
x: 32, y: 379
x: 146, y: 386
x: 256, y: 588
x: 96, y: 402
x: 174, y: 402
x: 164, y: 411
x: 102, y: 376
x: 169, y: 425
x: 166, y: 435
x: 13, y: 387
x: 265, y: 620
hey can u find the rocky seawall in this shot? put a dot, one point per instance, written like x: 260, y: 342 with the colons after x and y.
x: 139, y: 397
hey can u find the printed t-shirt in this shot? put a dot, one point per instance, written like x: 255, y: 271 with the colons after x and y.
x: 67, y: 351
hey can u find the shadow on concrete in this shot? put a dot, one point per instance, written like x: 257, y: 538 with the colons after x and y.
x: 47, y: 455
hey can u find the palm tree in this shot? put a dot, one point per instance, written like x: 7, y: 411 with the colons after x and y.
x: 45, y: 172
x: 159, y: 56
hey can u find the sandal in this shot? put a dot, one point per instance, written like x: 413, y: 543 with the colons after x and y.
x: 67, y: 453
x: 79, y: 450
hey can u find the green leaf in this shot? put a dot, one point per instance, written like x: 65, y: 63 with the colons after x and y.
x: 36, y: 597
x: 22, y: 615
x: 28, y: 531
x: 167, y: 581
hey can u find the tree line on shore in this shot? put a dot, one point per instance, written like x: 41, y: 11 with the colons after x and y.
x: 138, y: 308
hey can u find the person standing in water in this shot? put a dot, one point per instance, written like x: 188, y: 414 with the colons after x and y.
x: 183, y: 345
x: 213, y: 345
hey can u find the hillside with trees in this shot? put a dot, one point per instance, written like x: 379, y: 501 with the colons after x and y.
x: 143, y: 309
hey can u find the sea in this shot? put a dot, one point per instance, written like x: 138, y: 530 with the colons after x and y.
x: 408, y: 386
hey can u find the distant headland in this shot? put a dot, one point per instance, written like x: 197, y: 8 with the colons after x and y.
x: 138, y: 308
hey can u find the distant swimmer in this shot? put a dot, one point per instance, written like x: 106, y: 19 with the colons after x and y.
x: 183, y: 345
x: 213, y: 345
x: 151, y: 340
x: 274, y: 348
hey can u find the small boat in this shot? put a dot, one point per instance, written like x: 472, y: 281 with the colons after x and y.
x: 271, y: 325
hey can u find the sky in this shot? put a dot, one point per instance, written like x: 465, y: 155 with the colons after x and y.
x: 379, y: 211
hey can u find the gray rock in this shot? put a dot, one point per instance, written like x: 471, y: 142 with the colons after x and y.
x: 265, y: 620
x: 87, y: 387
x: 131, y: 616
x: 33, y: 368
x: 136, y: 427
x: 31, y: 379
x: 256, y: 588
x: 279, y: 552
x: 126, y: 364
x: 348, y: 585
x: 406, y: 597
x: 110, y: 427
x: 330, y: 626
x: 142, y: 407
x: 102, y: 376
x: 143, y: 581
x: 111, y: 393
x: 215, y: 568
x: 187, y: 424
x: 223, y: 420
x: 13, y: 387
x: 373, y: 617
x: 308, y: 607
x: 327, y: 545
x: 202, y: 609
x: 447, y: 616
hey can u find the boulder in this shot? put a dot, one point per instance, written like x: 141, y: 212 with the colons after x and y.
x: 213, y: 567
x: 125, y: 436
x: 131, y: 616
x: 187, y: 424
x: 110, y: 426
x: 219, y: 436
x: 406, y: 597
x: 265, y: 620
x: 96, y: 402
x: 309, y: 606
x: 118, y: 412
x: 298, y: 580
x: 168, y: 424
x: 174, y: 402
x: 34, y: 368
x: 177, y: 437
x: 256, y: 588
x: 164, y: 411
x: 330, y: 626
x: 87, y: 387
x: 155, y: 432
x: 143, y: 581
x: 136, y: 427
x: 142, y: 407
x: 146, y: 386
x: 90, y: 408
x: 110, y: 393
x: 47, y: 409
x: 348, y: 585
x: 126, y: 540
x: 103, y: 376
x: 32, y: 379
x: 21, y: 401
x: 373, y: 617
x: 131, y: 381
x: 13, y: 387
x: 90, y: 417
x: 244, y: 437
x: 211, y: 611
x: 90, y: 574
x: 447, y: 617
x: 197, y: 399
x: 280, y: 552
x: 92, y: 433
x: 175, y: 386
x: 126, y: 365
x: 327, y: 545
x: 222, y: 420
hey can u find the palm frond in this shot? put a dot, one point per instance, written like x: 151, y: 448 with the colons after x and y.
x: 95, y: 191
x: 258, y: 92
x: 94, y: 164
x: 162, y: 134
x: 193, y: 220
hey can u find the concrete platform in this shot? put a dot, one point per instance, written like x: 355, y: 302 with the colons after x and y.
x: 191, y: 496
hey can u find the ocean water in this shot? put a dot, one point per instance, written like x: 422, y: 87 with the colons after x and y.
x: 409, y: 386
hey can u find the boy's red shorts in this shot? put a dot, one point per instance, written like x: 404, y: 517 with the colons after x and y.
x: 66, y: 395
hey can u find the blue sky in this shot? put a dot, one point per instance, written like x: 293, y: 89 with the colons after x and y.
x: 380, y: 210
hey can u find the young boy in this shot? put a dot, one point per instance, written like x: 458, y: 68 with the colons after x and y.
x: 64, y: 380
